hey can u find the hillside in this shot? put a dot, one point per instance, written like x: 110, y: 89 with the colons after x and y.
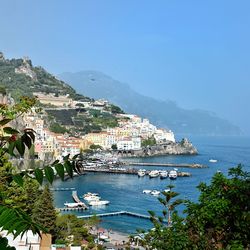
x: 162, y: 113
x: 19, y: 77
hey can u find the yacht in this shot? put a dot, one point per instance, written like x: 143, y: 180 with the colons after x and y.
x: 155, y: 192
x: 163, y: 174
x: 92, y: 198
x: 166, y: 190
x: 153, y: 173
x: 98, y: 203
x: 147, y: 191
x: 172, y: 174
x: 141, y: 173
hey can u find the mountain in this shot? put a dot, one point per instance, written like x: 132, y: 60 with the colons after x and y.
x: 162, y: 113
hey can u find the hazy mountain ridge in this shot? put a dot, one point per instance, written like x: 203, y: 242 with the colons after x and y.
x: 162, y: 113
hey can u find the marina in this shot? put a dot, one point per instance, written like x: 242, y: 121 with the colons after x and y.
x: 78, y: 201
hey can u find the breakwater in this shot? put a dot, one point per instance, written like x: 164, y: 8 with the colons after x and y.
x: 176, y: 165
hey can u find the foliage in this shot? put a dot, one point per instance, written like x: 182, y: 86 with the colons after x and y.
x: 57, y: 128
x: 116, y: 110
x: 13, y: 142
x: 44, y: 212
x: 114, y: 146
x: 219, y: 220
x: 95, y: 147
x: 71, y: 230
x: 148, y: 142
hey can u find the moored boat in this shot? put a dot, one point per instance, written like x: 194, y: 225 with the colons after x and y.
x: 71, y: 205
x: 147, y: 191
x: 141, y: 172
x: 172, y: 174
x: 163, y: 174
x: 98, y: 203
x: 155, y: 192
x: 153, y: 173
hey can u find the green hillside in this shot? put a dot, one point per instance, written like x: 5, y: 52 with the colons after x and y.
x: 20, y: 78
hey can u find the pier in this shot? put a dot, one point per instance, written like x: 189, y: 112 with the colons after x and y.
x: 152, y: 164
x: 77, y: 200
x: 62, y: 189
x: 116, y: 214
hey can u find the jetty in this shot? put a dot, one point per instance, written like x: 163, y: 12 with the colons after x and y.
x: 77, y: 200
x: 62, y: 189
x: 152, y: 164
x: 116, y: 214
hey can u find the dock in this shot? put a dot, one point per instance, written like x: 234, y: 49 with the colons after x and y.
x: 116, y: 214
x: 62, y: 189
x: 175, y: 165
x: 77, y: 200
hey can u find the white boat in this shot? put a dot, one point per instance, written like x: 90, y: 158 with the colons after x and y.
x: 147, y: 191
x: 90, y: 194
x: 166, y: 190
x: 141, y: 172
x: 98, y: 203
x: 92, y: 198
x: 163, y: 174
x: 153, y: 173
x: 172, y: 174
x: 71, y: 205
x: 155, y: 192
x: 213, y: 160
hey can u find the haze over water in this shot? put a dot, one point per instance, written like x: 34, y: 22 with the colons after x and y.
x: 125, y: 191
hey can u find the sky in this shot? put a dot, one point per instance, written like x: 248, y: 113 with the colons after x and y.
x: 196, y: 53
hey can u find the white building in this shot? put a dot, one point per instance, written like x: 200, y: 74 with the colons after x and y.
x: 163, y: 136
x: 132, y: 143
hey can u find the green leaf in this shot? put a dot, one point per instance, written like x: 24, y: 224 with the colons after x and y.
x: 9, y: 130
x: 49, y: 173
x: 18, y: 179
x: 4, y: 121
x: 60, y: 170
x: 39, y: 175
x: 11, y: 148
x: 26, y: 140
x: 55, y: 162
x: 20, y: 147
x: 69, y: 168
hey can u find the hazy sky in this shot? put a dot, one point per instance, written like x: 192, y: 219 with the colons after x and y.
x: 196, y: 53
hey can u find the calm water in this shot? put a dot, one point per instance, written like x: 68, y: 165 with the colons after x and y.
x: 125, y: 191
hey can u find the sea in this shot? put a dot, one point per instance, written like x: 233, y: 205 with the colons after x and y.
x: 125, y: 191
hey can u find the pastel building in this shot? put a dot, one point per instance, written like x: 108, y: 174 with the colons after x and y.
x: 130, y: 143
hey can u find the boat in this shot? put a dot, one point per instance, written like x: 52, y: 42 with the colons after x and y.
x: 163, y: 174
x: 92, y: 198
x: 213, y: 160
x: 172, y: 174
x: 141, y: 173
x: 98, y: 203
x: 90, y: 194
x: 166, y: 190
x: 147, y: 191
x: 153, y: 173
x: 155, y: 192
x: 71, y: 205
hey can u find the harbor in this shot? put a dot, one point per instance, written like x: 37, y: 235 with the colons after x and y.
x: 175, y: 165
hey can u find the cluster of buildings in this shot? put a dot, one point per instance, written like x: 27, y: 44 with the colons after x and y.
x: 128, y: 135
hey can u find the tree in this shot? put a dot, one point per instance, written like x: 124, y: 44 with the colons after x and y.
x: 114, y: 146
x: 219, y: 220
x: 44, y: 212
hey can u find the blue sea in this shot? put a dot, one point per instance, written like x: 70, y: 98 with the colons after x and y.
x: 125, y: 191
